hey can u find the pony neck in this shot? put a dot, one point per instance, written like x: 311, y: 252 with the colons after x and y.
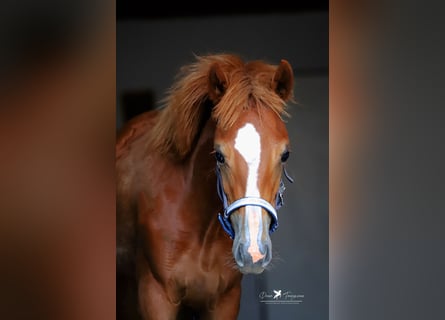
x: 201, y: 178
x: 201, y: 158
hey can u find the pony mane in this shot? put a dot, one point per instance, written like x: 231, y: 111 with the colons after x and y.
x: 187, y: 104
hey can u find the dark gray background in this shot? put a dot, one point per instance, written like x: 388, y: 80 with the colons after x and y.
x: 149, y: 54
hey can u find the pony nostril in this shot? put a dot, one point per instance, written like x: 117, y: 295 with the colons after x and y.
x: 239, y: 256
x: 262, y: 248
x: 267, y: 255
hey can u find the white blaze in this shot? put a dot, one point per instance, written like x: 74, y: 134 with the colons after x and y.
x: 248, y: 144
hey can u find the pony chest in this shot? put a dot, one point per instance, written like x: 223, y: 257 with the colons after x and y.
x: 198, y: 284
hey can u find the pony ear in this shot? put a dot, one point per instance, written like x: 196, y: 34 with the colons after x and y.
x: 283, y: 80
x: 217, y: 83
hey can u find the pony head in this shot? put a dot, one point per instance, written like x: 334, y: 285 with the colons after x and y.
x: 251, y: 146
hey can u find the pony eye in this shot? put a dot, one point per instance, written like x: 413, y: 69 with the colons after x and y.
x: 285, y: 156
x: 219, y: 157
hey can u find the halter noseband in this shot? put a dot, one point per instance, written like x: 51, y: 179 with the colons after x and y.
x: 248, y: 201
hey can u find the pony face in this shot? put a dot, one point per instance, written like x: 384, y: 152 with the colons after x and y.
x: 250, y: 157
x: 251, y: 144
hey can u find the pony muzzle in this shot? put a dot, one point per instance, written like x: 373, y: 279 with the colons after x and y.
x: 252, y: 247
x: 252, y: 258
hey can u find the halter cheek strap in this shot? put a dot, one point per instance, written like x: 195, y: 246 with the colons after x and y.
x: 224, y: 218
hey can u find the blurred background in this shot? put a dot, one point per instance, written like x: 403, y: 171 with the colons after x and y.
x: 57, y: 134
x: 152, y: 44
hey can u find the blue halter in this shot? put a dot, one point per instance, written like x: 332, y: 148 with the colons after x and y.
x: 248, y: 201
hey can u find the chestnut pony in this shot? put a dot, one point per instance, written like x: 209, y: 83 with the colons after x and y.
x: 199, y: 183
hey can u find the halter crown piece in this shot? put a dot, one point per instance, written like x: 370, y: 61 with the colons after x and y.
x: 224, y: 218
